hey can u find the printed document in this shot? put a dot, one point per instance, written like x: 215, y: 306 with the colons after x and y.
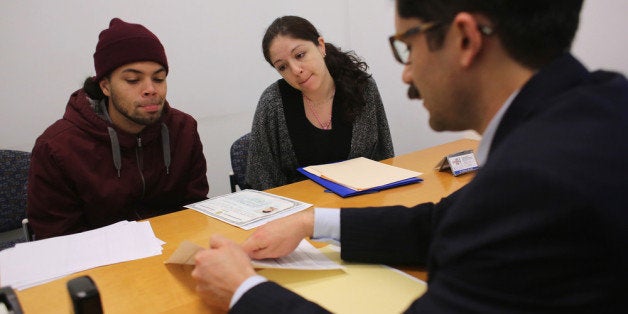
x: 248, y: 209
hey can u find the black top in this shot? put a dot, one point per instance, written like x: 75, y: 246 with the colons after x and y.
x: 312, y: 145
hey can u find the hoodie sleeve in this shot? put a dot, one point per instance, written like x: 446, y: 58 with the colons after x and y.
x: 197, y: 187
x: 53, y: 207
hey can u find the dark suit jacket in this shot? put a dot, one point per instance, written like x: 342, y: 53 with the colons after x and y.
x: 542, y: 228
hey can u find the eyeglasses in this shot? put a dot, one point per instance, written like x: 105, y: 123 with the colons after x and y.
x: 401, y: 50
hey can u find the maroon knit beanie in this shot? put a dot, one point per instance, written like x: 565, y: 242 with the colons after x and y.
x: 123, y: 43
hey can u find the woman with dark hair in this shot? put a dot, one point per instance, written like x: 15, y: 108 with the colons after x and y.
x: 326, y: 108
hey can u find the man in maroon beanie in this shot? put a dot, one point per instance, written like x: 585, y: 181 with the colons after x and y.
x: 120, y: 152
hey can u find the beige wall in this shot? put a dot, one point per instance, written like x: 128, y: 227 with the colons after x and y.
x: 217, y: 69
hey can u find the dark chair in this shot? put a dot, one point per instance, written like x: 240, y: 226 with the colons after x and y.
x: 13, y: 179
x: 239, y: 152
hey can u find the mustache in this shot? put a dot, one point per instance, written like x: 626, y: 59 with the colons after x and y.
x: 154, y: 101
x: 413, y: 92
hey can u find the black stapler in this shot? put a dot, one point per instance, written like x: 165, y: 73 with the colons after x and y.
x: 85, y: 296
x: 9, y: 301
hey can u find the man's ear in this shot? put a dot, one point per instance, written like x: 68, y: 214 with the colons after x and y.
x: 104, y: 86
x: 469, y: 39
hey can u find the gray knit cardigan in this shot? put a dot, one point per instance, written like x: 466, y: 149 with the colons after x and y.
x: 271, y: 159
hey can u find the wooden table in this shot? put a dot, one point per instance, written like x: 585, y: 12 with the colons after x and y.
x: 149, y: 286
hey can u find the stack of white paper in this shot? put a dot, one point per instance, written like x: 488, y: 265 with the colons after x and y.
x: 32, y: 263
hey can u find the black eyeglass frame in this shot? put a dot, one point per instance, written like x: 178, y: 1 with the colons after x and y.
x: 486, y: 30
x: 410, y: 32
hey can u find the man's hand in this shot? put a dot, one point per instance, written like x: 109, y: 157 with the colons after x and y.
x: 279, y: 237
x: 220, y: 270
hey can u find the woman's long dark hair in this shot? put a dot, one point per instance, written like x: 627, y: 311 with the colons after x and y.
x: 346, y: 69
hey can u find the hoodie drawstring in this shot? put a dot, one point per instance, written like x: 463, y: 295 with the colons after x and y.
x: 115, y: 149
x: 165, y: 145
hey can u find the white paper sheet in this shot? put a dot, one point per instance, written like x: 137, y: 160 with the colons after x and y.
x: 304, y: 257
x: 32, y: 263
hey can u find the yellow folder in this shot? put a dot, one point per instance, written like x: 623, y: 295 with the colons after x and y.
x: 361, y: 173
x: 360, y: 288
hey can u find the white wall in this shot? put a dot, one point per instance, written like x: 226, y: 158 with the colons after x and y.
x: 217, y: 70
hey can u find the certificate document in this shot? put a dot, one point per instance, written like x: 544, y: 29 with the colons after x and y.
x: 248, y: 209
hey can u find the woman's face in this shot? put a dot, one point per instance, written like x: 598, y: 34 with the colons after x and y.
x: 300, y: 62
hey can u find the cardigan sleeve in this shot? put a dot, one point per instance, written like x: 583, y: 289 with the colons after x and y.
x: 384, y: 144
x: 263, y: 160
x: 371, y: 134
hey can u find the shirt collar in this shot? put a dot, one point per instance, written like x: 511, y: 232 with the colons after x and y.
x: 489, y: 133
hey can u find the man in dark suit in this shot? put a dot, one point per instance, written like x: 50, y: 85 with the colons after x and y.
x: 543, y: 226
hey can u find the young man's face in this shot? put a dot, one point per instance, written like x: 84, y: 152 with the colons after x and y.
x: 137, y: 93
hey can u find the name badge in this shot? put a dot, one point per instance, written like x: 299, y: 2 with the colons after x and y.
x: 459, y: 163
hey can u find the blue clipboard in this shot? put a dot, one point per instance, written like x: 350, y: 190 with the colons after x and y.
x: 344, y: 191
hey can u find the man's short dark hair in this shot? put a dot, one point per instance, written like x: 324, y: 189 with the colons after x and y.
x: 533, y: 32
x: 92, y: 88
